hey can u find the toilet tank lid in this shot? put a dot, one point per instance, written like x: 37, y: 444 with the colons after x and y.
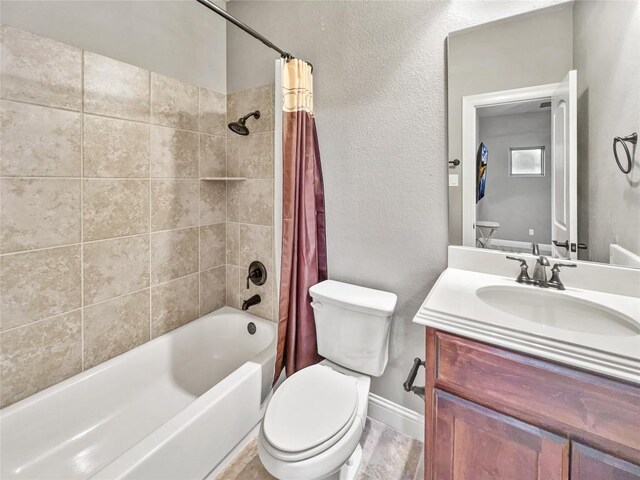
x: 355, y: 297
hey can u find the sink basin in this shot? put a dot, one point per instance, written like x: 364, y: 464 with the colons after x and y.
x: 558, y: 310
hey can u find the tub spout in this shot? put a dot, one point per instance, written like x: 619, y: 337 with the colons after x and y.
x: 250, y: 302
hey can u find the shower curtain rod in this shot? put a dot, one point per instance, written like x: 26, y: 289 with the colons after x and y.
x: 220, y: 11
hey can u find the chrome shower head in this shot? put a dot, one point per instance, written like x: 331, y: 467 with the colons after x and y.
x: 239, y: 127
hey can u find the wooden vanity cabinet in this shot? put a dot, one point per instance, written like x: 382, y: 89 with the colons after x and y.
x: 493, y: 414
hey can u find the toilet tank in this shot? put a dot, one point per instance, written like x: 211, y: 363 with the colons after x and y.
x: 353, y: 325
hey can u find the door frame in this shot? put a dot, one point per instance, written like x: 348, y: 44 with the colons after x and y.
x: 469, y: 124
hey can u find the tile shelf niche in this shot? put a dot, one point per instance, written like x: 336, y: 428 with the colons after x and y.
x: 224, y: 179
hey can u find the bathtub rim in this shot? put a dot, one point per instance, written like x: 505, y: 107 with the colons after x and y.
x: 262, y: 358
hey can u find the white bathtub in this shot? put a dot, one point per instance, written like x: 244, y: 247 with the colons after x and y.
x: 169, y: 409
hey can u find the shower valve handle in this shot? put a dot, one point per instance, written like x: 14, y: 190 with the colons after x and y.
x: 253, y: 274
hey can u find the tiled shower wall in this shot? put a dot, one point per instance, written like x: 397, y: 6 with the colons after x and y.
x: 108, y: 237
x: 250, y: 202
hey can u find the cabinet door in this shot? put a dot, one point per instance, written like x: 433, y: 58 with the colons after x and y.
x: 590, y: 464
x: 473, y: 442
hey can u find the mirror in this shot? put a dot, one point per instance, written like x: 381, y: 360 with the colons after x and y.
x: 544, y: 112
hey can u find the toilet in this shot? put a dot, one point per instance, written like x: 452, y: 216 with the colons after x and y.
x: 313, y: 423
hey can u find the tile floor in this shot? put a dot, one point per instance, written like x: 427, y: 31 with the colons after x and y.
x: 387, y: 455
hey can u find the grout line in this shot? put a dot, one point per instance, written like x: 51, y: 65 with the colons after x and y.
x: 75, y: 244
x: 40, y: 320
x: 149, y: 108
x: 102, y: 115
x: 82, y: 329
x: 199, y: 206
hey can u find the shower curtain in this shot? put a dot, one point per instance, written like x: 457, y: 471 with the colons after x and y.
x: 304, y: 255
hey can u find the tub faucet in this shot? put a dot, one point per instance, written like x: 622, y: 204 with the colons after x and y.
x: 250, y: 302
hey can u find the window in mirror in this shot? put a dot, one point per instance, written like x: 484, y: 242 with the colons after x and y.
x: 526, y: 162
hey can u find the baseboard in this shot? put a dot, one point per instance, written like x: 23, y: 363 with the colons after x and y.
x: 396, y: 416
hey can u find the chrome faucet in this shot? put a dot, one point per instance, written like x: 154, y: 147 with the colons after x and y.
x: 535, y: 250
x: 540, y: 272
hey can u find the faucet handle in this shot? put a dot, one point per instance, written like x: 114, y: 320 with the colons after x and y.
x: 555, y: 274
x: 556, y: 266
x: 524, y: 269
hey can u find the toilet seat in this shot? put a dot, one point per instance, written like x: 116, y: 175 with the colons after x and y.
x: 310, y: 412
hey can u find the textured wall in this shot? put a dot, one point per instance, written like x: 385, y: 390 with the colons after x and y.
x: 108, y: 238
x: 517, y: 203
x: 607, y: 57
x: 178, y: 38
x: 528, y: 50
x: 380, y: 104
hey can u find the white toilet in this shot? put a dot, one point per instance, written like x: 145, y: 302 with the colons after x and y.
x: 313, y: 423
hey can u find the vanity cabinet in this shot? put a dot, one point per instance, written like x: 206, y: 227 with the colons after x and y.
x: 494, y: 414
x: 473, y: 442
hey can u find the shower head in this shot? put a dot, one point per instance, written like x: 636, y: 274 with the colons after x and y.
x: 239, y: 127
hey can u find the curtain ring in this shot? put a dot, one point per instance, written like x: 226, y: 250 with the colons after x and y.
x: 633, y: 139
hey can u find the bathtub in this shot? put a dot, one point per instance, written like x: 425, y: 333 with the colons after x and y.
x: 169, y: 409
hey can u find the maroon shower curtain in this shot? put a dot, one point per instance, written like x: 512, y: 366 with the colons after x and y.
x: 304, y: 254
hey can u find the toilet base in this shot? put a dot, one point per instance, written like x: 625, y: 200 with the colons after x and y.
x: 350, y: 469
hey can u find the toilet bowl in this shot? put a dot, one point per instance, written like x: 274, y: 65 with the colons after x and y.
x: 313, y: 423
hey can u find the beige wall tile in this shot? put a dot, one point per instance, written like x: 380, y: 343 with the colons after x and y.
x: 233, y: 286
x: 213, y: 156
x: 174, y: 254
x: 174, y: 304
x: 250, y: 201
x: 115, y: 267
x: 115, y: 208
x: 213, y: 112
x: 174, y: 204
x: 39, y: 213
x: 174, y: 153
x: 115, y: 88
x: 212, y: 289
x: 213, y: 202
x: 255, y: 156
x: 115, y: 327
x: 39, y: 141
x: 37, y: 285
x: 233, y: 243
x: 265, y: 308
x: 233, y: 168
x: 256, y: 243
x: 173, y: 103
x: 234, y: 199
x: 212, y: 246
x: 39, y: 355
x: 241, y: 103
x: 115, y: 148
x: 39, y: 70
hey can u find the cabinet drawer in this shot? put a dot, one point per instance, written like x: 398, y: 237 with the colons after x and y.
x: 599, y: 410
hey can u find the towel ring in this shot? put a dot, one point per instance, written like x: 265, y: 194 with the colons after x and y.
x: 632, y: 139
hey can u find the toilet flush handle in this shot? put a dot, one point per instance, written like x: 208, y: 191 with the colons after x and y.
x: 316, y: 305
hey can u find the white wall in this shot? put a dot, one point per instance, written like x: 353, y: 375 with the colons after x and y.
x: 181, y: 39
x: 517, y: 203
x: 380, y: 101
x: 532, y: 49
x: 607, y: 58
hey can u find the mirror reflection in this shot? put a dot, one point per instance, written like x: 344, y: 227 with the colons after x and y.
x: 544, y: 111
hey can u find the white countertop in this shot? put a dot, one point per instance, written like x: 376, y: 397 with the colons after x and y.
x: 454, y: 306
